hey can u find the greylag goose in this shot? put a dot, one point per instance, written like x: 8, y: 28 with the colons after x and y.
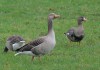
x: 42, y: 45
x: 76, y: 34
x: 13, y: 43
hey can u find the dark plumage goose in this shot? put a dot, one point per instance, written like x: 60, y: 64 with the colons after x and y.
x: 76, y: 34
x: 13, y: 43
x: 42, y: 45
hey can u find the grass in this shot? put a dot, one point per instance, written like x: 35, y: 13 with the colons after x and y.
x: 28, y: 18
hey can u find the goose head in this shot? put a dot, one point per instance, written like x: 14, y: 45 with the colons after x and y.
x: 53, y: 16
x: 50, y: 18
x: 82, y: 19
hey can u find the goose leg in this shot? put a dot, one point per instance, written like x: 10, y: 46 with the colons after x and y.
x: 70, y: 43
x: 79, y: 43
x: 32, y: 58
x: 39, y: 58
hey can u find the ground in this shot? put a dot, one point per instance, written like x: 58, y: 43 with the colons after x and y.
x: 28, y: 18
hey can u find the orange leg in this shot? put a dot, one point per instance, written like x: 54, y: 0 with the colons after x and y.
x: 79, y: 43
x: 39, y: 58
x: 32, y: 58
x: 70, y: 43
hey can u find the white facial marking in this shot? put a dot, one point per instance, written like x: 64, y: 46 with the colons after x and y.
x: 84, y: 18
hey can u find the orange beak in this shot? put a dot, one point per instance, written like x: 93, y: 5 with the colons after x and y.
x: 56, y: 16
x: 84, y: 19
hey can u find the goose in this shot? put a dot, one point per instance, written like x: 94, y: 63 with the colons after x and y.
x: 13, y: 43
x: 76, y: 34
x: 41, y: 45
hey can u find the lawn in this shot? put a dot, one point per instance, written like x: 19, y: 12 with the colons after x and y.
x: 28, y: 18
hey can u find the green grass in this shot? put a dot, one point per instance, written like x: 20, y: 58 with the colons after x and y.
x: 28, y: 18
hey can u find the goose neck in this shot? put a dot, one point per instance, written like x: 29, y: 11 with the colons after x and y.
x: 50, y: 28
x: 79, y: 23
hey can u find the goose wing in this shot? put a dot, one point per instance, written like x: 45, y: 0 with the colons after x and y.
x: 74, y: 32
x: 71, y: 32
x: 32, y: 44
x: 14, y: 39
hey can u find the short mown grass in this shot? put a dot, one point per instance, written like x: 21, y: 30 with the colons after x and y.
x: 28, y: 18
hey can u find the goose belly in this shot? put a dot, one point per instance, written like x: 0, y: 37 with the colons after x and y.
x: 78, y: 38
x: 46, y: 47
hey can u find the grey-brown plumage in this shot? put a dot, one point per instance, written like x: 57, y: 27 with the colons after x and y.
x: 13, y: 43
x: 76, y: 34
x: 42, y: 45
x: 32, y: 44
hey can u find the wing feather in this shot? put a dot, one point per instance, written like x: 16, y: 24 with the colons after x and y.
x: 32, y: 44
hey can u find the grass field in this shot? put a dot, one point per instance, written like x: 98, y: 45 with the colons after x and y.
x: 28, y: 18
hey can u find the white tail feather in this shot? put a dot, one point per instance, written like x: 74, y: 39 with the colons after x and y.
x: 67, y: 33
x: 17, y: 53
x: 25, y: 52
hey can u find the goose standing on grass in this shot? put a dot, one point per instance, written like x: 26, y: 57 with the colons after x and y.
x: 76, y: 34
x: 42, y: 45
x: 13, y: 43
